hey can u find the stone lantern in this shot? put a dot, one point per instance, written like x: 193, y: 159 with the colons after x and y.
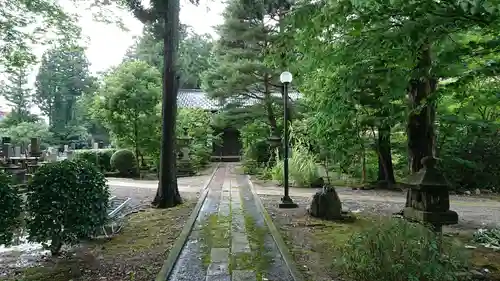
x: 184, y: 165
x: 274, y: 142
x: 428, y: 199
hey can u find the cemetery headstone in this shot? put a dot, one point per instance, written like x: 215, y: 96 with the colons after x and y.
x: 17, y: 151
x: 6, y: 140
x: 7, y: 150
x: 34, y: 147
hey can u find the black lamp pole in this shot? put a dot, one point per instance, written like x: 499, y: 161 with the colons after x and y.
x: 286, y: 201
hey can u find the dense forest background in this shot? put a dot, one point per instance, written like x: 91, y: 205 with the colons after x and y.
x: 382, y: 84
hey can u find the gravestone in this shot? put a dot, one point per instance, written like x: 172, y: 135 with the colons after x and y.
x: 428, y: 199
x: 35, y: 147
x: 17, y: 151
x: 7, y: 150
x: 6, y: 140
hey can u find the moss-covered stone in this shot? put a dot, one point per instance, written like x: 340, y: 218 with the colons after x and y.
x: 216, y: 233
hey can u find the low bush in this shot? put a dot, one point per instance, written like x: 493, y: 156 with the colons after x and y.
x: 196, y: 124
x: 100, y: 157
x: 471, y: 157
x: 125, y: 162
x: 256, y: 149
x: 302, y: 167
x: 10, y: 209
x: 67, y: 201
x: 398, y: 250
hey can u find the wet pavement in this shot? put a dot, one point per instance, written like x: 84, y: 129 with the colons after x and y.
x: 230, y: 240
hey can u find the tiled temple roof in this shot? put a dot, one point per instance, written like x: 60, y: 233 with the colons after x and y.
x: 196, y: 98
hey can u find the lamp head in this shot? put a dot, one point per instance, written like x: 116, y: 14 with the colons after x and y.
x: 286, y: 77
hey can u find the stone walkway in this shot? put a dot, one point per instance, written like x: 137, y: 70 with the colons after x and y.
x: 230, y: 240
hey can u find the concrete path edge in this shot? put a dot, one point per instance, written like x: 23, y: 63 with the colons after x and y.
x: 174, y: 253
x: 280, y: 243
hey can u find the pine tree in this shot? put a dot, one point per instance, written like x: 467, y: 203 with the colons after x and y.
x: 240, y: 75
x: 17, y: 92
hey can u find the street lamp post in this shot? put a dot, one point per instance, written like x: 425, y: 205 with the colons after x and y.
x: 286, y: 201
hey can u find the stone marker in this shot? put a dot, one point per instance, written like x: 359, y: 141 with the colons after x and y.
x: 7, y: 151
x: 326, y: 204
x: 17, y: 151
x: 428, y: 199
x: 35, y: 147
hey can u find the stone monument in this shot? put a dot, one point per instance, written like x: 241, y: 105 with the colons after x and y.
x: 35, y: 147
x: 428, y: 199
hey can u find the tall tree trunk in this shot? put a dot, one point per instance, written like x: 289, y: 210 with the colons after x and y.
x: 385, y: 169
x: 168, y: 194
x: 421, y: 118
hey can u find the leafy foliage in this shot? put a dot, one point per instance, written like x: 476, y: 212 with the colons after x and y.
x: 395, y: 249
x: 129, y: 106
x: 22, y: 133
x: 100, y: 157
x: 67, y: 201
x: 10, y: 209
x: 303, y: 170
x: 256, y: 152
x: 18, y: 95
x: 20, y: 32
x: 195, y: 52
x: 63, y: 77
x: 196, y: 124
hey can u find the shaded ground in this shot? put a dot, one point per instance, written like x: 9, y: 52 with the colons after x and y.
x: 137, y: 253
x: 314, y: 243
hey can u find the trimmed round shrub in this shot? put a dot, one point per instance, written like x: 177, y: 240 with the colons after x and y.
x: 398, y: 250
x: 125, y: 163
x: 10, y: 209
x: 67, y: 201
x: 102, y: 159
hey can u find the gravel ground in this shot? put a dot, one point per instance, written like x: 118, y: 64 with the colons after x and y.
x: 473, y: 212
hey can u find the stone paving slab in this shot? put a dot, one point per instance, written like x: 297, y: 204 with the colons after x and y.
x: 244, y: 275
x: 219, y: 255
x: 230, y: 240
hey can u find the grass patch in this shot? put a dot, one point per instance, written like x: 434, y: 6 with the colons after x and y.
x: 136, y: 253
x: 316, y: 245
